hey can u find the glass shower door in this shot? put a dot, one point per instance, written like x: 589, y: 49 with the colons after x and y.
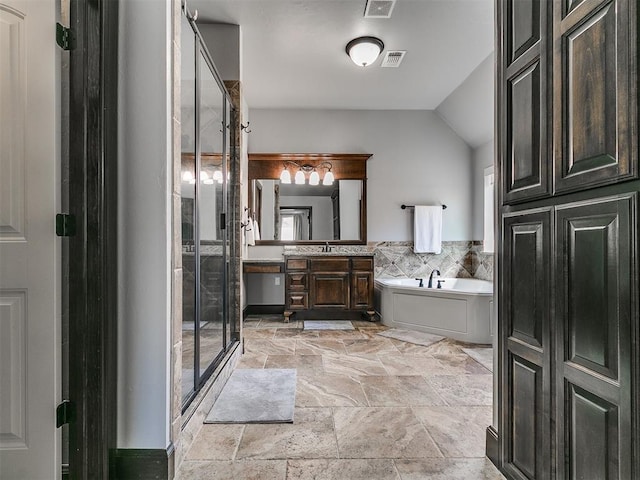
x: 212, y: 197
x: 188, y: 208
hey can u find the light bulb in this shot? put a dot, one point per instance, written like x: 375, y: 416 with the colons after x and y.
x: 328, y: 178
x: 285, y: 176
x: 217, y: 176
x: 203, y: 176
x: 187, y: 176
x: 314, y: 178
x: 299, y: 177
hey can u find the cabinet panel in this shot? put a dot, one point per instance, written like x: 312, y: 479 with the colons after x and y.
x: 297, y: 300
x: 525, y: 415
x: 297, y: 281
x: 362, y: 290
x: 525, y: 309
x: 296, y: 263
x: 525, y: 167
x: 524, y: 26
x: 593, y: 436
x: 594, y: 331
x: 362, y: 264
x: 339, y: 264
x: 526, y: 244
x: 330, y: 290
x: 592, y: 98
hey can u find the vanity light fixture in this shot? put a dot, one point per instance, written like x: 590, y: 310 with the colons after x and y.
x: 363, y: 51
x: 314, y: 176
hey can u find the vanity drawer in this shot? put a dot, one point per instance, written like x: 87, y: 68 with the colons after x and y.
x: 364, y: 264
x: 333, y: 264
x: 297, y: 300
x: 297, y: 281
x: 259, y: 267
x: 296, y: 263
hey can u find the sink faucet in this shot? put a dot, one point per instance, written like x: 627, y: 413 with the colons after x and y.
x: 437, y: 272
x: 420, y: 284
x: 327, y: 247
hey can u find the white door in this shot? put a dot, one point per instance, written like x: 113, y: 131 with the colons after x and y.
x: 29, y: 250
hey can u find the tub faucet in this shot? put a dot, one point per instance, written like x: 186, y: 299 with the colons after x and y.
x: 421, y: 280
x: 437, y: 272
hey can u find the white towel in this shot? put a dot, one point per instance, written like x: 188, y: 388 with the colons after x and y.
x: 256, y: 230
x: 427, y: 229
x: 249, y: 234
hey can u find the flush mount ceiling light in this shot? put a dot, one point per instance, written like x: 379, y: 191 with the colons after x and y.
x: 364, y: 50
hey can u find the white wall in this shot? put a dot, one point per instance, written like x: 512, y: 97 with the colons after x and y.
x: 482, y: 158
x: 469, y: 108
x: 144, y: 217
x: 417, y: 159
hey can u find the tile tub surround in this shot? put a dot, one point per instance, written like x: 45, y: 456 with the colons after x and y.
x: 366, y: 408
x: 460, y: 259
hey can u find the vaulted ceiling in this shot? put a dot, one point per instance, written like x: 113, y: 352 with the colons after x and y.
x: 293, y: 51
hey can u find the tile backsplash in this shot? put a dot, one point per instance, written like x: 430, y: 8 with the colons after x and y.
x: 459, y: 259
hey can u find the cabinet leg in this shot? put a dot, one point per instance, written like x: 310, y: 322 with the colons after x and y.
x: 287, y: 315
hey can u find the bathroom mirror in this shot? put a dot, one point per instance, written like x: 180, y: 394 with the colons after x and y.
x: 309, y: 214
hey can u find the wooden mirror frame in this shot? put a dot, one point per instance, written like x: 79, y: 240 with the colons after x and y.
x: 345, y: 166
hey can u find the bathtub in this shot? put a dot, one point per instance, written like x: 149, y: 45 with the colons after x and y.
x: 461, y: 309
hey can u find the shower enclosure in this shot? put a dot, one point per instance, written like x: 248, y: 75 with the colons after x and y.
x: 208, y: 180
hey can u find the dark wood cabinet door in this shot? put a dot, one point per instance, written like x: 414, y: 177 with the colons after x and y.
x: 524, y: 112
x: 362, y: 290
x: 329, y: 290
x: 568, y: 318
x: 525, y: 307
x: 594, y: 306
x: 595, y: 115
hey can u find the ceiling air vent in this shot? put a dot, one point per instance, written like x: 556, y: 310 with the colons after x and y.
x: 379, y: 8
x: 393, y: 58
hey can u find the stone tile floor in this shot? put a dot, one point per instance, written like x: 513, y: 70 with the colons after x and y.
x: 367, y: 408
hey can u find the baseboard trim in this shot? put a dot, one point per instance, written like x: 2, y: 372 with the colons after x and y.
x: 262, y: 309
x: 142, y: 463
x: 493, y: 446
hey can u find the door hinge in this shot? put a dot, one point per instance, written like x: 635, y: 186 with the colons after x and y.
x: 64, y: 37
x: 223, y: 221
x: 65, y: 413
x: 65, y: 225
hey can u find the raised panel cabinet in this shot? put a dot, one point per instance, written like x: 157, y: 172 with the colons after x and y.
x: 330, y: 290
x: 329, y: 286
x: 362, y: 290
x: 523, y: 114
x: 525, y: 308
x: 594, y: 77
x: 593, y: 334
x: 567, y: 250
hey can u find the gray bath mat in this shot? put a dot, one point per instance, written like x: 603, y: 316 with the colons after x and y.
x: 483, y: 356
x: 256, y: 396
x: 411, y: 336
x: 328, y: 325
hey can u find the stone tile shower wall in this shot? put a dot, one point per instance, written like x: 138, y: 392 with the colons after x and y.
x: 462, y: 259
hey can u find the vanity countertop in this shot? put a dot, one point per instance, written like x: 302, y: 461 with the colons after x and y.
x: 338, y: 253
x: 262, y: 260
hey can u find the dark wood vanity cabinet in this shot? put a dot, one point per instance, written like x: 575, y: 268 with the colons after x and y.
x: 329, y: 287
